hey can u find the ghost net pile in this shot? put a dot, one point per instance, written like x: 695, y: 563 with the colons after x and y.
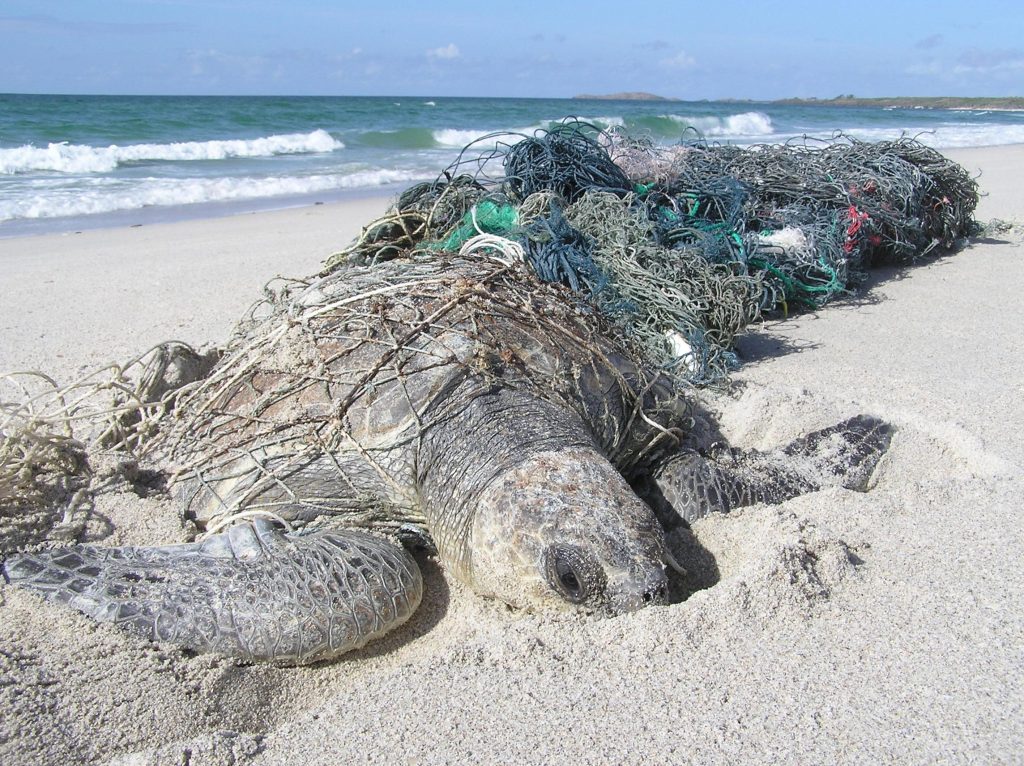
x: 682, y: 247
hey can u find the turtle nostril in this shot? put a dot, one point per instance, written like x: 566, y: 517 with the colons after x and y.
x: 656, y: 595
x: 640, y: 594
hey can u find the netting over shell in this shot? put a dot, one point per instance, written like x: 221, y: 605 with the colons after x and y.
x: 323, y: 396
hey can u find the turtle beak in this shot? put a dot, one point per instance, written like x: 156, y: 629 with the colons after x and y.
x: 637, y: 591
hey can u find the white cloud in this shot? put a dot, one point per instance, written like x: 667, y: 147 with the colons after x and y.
x: 681, y: 60
x: 990, y: 62
x: 448, y: 52
x: 972, y: 63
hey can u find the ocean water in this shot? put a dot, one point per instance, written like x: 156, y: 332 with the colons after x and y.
x: 69, y: 162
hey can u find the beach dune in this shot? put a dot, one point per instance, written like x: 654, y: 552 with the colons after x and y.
x: 838, y: 627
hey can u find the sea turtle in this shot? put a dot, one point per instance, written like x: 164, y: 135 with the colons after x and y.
x: 450, y: 399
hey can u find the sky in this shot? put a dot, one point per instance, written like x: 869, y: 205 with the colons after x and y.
x: 712, y: 49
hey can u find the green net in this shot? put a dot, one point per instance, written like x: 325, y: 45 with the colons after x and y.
x: 485, y: 217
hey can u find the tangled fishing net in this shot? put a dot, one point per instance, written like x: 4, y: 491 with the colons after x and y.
x: 669, y: 251
x: 47, y: 431
x: 337, y: 377
x: 681, y: 247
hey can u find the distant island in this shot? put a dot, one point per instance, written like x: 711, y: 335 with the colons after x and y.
x: 631, y: 96
x: 913, y: 102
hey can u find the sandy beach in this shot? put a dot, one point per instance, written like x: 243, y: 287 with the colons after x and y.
x: 838, y: 627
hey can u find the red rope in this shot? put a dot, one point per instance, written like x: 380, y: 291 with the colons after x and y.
x: 857, y: 220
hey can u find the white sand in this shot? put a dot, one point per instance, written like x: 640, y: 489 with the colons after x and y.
x: 885, y: 627
x: 75, y: 301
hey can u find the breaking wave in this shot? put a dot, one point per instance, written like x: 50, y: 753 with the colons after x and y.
x: 745, y: 124
x: 671, y: 127
x: 454, y: 138
x: 76, y: 158
x: 108, y: 195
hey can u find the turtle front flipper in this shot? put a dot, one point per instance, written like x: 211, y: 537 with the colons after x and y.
x: 693, y: 485
x: 251, y: 592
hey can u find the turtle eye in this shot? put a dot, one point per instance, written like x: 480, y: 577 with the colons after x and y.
x: 572, y: 573
x: 569, y: 583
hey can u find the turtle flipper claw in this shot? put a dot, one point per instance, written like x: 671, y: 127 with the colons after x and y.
x: 251, y: 592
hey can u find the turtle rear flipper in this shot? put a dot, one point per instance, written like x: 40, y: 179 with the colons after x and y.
x: 691, y: 485
x: 251, y: 592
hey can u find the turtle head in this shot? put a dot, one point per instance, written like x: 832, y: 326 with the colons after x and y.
x: 564, y: 528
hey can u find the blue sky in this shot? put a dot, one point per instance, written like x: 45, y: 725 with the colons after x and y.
x: 690, y: 50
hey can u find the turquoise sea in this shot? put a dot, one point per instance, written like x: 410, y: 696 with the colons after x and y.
x: 69, y: 162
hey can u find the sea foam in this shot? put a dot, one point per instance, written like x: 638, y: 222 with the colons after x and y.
x: 733, y: 125
x: 948, y: 136
x: 457, y: 138
x: 109, y: 195
x: 76, y: 158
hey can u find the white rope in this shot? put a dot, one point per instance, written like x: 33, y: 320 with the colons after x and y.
x: 505, y: 251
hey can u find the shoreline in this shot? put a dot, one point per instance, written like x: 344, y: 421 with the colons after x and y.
x: 202, y: 211
x: 207, y: 211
